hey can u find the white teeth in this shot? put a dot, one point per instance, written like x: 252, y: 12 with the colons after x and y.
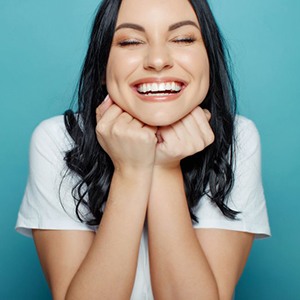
x: 141, y: 89
x: 159, y: 87
x: 154, y: 87
x: 177, y: 88
x: 162, y: 87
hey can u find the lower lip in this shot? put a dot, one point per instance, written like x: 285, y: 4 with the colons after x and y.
x: 159, y: 98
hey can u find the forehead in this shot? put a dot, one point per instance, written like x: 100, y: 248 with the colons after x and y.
x: 153, y: 12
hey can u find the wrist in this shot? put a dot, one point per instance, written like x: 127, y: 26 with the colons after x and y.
x: 166, y: 181
x: 166, y: 175
x: 171, y: 167
x: 134, y: 172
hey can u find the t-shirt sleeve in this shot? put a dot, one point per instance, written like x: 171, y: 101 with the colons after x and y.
x: 48, y: 202
x: 247, y: 194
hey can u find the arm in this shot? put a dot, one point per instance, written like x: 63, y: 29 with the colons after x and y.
x: 197, y: 262
x: 110, y: 265
x: 183, y: 265
x: 104, y: 265
x: 179, y: 268
x: 227, y: 253
x: 82, y: 265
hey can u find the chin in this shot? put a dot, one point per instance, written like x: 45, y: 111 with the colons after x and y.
x: 158, y: 122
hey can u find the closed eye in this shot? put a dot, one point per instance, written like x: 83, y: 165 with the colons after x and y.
x: 130, y: 42
x: 186, y: 40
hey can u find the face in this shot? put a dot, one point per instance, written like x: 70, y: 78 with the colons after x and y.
x: 158, y: 69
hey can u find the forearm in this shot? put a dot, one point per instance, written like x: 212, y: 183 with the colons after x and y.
x: 108, y: 271
x: 179, y: 268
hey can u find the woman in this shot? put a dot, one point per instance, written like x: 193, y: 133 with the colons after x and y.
x: 162, y: 164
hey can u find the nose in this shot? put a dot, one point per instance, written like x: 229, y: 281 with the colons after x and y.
x: 158, y: 58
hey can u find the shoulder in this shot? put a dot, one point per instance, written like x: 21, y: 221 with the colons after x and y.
x: 247, y: 194
x: 245, y: 127
x: 48, y: 202
x: 53, y: 127
x: 247, y: 138
x: 51, y: 134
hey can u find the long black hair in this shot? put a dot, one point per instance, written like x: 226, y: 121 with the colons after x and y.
x: 209, y: 172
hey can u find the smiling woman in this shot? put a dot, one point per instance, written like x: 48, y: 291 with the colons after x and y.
x: 152, y: 189
x: 148, y: 58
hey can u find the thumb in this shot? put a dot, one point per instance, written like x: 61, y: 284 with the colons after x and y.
x: 103, y: 107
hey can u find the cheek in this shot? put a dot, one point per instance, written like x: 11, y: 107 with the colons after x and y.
x: 196, y: 62
x: 204, y: 65
x: 111, y: 72
x: 201, y: 68
x: 202, y: 72
x: 118, y: 70
x: 198, y: 66
x: 121, y: 65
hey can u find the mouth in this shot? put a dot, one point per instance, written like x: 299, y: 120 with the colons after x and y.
x: 158, y: 89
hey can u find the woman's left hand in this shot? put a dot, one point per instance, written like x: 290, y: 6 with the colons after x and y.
x: 184, y: 138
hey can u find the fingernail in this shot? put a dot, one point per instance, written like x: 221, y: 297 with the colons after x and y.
x: 106, y: 98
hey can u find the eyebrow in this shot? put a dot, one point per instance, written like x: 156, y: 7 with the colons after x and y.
x: 183, y: 23
x: 171, y: 27
x: 131, y: 26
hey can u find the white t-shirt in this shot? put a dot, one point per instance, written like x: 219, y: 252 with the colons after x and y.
x: 48, y: 202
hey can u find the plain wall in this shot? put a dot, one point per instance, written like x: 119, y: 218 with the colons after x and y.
x: 42, y: 45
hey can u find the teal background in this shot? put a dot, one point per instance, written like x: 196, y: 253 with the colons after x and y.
x: 42, y: 45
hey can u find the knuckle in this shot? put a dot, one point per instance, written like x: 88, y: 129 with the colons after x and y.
x: 101, y: 128
x: 116, y: 130
x: 149, y: 136
x: 210, y: 138
x: 207, y: 114
x: 98, y: 110
x: 176, y: 152
x: 201, y: 145
x: 192, y: 150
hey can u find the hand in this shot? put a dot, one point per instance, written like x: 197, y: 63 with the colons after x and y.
x: 128, y: 142
x: 183, y: 138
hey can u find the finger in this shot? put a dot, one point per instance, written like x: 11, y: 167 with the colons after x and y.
x: 111, y: 114
x: 103, y: 107
x: 159, y: 137
x: 152, y: 129
x: 139, y: 126
x: 207, y: 114
x: 125, y: 118
x: 167, y: 136
x: 201, y: 118
x: 190, y: 126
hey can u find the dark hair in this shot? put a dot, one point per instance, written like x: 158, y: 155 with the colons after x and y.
x: 209, y: 172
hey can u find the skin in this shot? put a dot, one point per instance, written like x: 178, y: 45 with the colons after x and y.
x: 169, y: 49
x: 146, y: 139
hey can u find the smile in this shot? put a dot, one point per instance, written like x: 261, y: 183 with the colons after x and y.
x: 159, y: 88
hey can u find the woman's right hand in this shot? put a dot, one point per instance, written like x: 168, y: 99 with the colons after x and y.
x: 128, y: 142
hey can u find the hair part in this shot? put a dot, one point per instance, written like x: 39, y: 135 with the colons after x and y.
x: 209, y: 172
